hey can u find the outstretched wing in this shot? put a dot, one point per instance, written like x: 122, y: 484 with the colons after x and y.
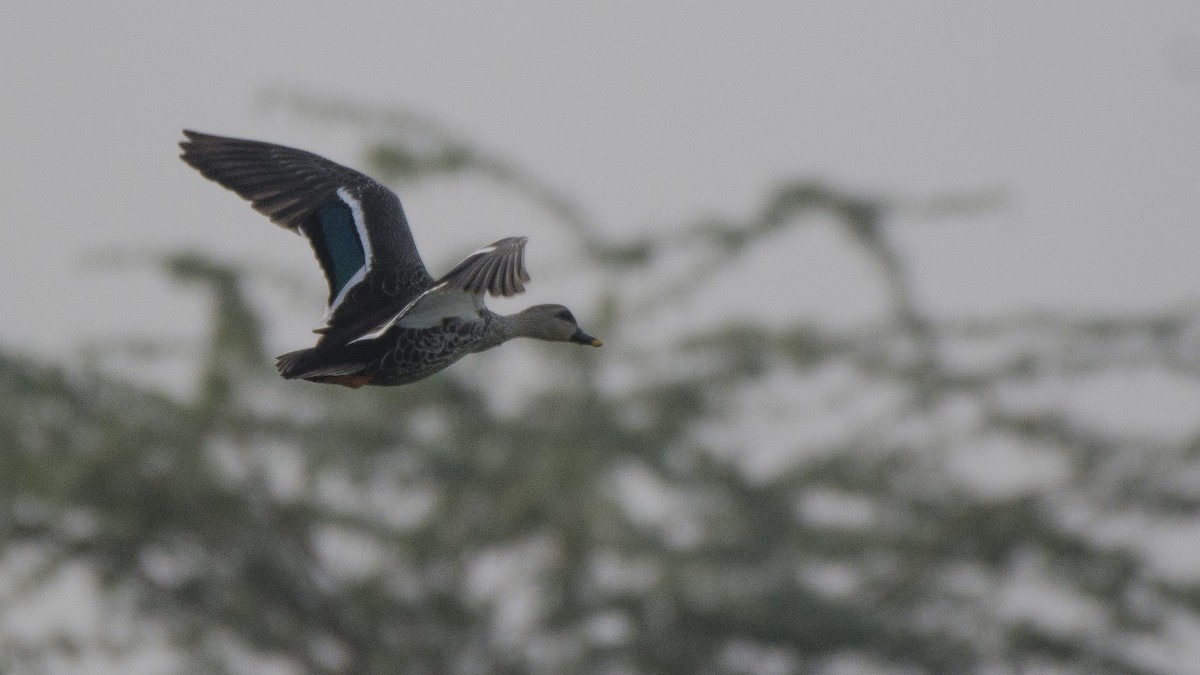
x: 355, y: 225
x: 496, y: 269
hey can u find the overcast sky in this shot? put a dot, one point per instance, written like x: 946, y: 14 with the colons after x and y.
x: 1085, y: 115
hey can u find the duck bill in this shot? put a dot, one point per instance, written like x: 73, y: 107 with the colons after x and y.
x: 585, y: 339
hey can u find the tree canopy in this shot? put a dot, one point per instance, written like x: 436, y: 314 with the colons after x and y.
x: 654, y: 523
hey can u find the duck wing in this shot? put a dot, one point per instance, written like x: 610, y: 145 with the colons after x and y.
x: 355, y: 225
x: 497, y: 269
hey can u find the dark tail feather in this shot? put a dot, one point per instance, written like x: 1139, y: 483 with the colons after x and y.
x: 293, y: 364
x: 305, y: 364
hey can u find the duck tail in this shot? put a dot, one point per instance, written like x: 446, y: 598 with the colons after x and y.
x: 307, y: 364
x: 294, y: 365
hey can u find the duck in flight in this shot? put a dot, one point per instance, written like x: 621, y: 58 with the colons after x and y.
x: 388, y: 321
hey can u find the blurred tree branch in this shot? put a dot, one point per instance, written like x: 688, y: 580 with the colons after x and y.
x: 596, y: 528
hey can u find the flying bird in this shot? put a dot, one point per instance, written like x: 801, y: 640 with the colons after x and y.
x: 387, y: 322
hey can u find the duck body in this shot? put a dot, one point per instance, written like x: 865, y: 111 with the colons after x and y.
x: 388, y: 321
x: 399, y: 356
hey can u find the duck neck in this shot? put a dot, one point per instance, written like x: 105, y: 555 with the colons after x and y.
x: 501, y: 328
x: 523, y: 324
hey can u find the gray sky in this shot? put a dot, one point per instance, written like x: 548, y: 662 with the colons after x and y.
x: 1087, y: 115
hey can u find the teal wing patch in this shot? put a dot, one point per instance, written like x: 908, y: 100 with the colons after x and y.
x: 336, y: 241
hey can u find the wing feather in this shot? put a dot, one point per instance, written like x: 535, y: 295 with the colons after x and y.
x: 355, y: 225
x: 496, y: 269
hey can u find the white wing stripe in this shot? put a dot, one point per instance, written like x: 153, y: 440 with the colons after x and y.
x: 360, y: 224
x: 392, y: 322
x: 354, y: 280
x: 471, y: 305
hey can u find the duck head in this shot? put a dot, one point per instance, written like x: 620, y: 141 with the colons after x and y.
x: 554, y: 323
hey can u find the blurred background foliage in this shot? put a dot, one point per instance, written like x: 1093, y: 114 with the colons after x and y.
x: 917, y: 494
